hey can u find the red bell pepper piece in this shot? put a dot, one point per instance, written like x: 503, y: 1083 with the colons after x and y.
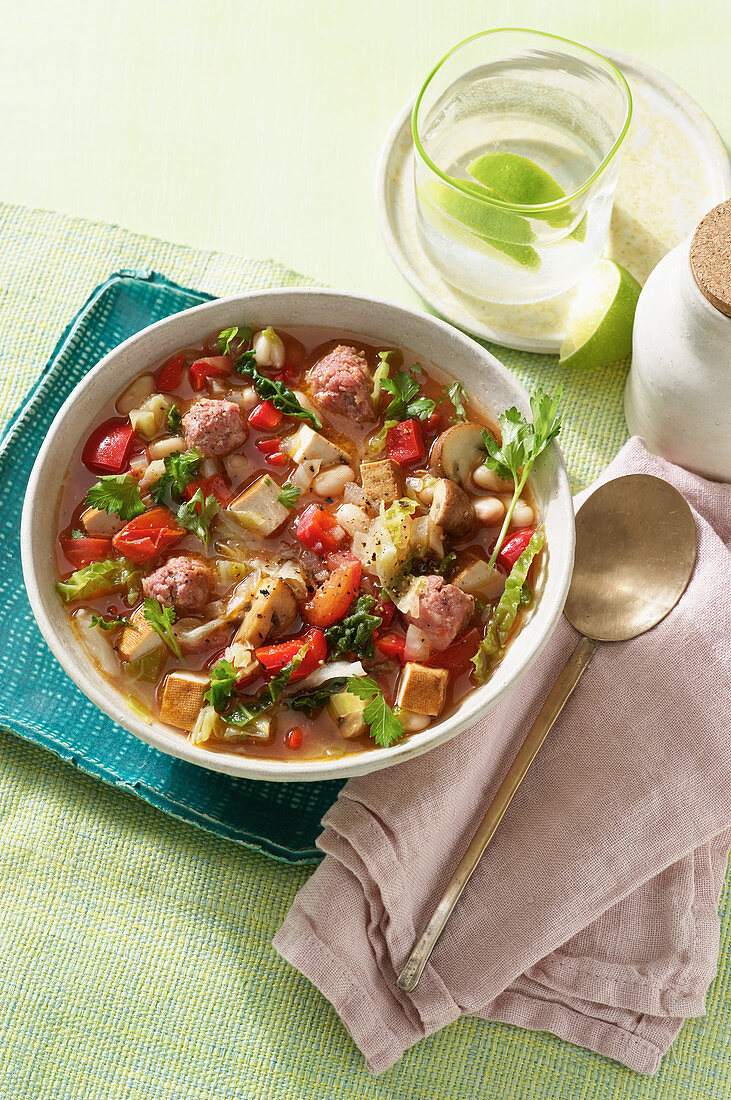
x: 107, y: 449
x: 295, y: 737
x: 315, y: 529
x: 277, y: 459
x: 275, y: 657
x: 513, y: 547
x: 433, y: 423
x: 267, y: 446
x: 404, y: 442
x: 169, y: 375
x: 333, y: 598
x: 82, y: 551
x: 458, y: 656
x: 214, y: 485
x: 148, y: 535
x: 213, y: 366
x: 392, y: 644
x: 266, y: 417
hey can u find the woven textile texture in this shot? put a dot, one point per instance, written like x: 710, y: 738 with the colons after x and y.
x: 136, y: 951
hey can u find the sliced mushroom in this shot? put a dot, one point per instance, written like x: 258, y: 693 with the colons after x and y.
x: 458, y: 452
x: 451, y: 508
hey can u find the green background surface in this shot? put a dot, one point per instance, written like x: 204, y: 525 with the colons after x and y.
x: 135, y: 951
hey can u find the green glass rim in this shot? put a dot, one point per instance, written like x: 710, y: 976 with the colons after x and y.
x: 519, y: 208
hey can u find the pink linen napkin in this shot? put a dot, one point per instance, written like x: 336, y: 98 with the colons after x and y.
x: 593, y: 914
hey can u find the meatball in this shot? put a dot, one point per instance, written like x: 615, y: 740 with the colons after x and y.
x: 184, y: 582
x: 342, y: 383
x: 214, y: 427
x: 444, y: 612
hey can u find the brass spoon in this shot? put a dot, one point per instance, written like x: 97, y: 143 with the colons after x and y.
x: 635, y: 550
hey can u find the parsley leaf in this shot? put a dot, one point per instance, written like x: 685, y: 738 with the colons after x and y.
x: 108, y: 624
x: 354, y: 633
x: 118, y: 493
x: 446, y: 565
x: 521, y: 445
x: 223, y: 679
x: 198, y: 513
x: 246, y: 712
x: 99, y: 576
x: 161, y: 620
x: 77, y: 533
x: 405, y: 405
x: 241, y: 333
x: 289, y: 495
x: 458, y: 395
x: 384, y: 726
x: 394, y: 357
x: 314, y: 700
x: 268, y: 389
x: 180, y: 468
x: 175, y: 419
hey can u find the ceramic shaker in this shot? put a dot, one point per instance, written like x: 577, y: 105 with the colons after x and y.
x: 678, y: 393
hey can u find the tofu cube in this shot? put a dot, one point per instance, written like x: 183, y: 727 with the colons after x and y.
x: 475, y: 578
x: 99, y: 524
x: 138, y: 639
x: 451, y: 508
x: 272, y: 611
x: 422, y: 689
x: 258, y: 508
x: 383, y: 482
x: 307, y: 445
x: 182, y: 698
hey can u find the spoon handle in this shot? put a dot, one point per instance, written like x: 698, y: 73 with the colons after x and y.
x: 547, y: 715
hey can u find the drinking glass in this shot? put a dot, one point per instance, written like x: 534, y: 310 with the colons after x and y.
x: 516, y: 134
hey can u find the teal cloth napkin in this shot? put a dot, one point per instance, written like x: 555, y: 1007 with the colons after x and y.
x: 39, y: 702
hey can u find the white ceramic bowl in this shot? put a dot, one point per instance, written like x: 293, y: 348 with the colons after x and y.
x: 488, y: 383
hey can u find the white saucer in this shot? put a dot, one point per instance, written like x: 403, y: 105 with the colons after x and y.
x: 674, y: 168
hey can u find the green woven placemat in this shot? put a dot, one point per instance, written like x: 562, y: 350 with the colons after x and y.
x: 136, y: 957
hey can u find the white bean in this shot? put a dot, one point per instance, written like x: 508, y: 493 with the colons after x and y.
x: 330, y: 483
x: 488, y: 479
x: 164, y: 447
x: 135, y: 394
x: 522, y: 514
x: 352, y: 725
x: 413, y: 722
x: 154, y: 471
x: 489, y: 510
x: 247, y: 398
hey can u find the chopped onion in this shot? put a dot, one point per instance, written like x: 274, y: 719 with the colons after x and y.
x: 306, y: 473
x: 333, y: 671
x: 353, y: 494
x: 417, y: 647
x: 352, y: 518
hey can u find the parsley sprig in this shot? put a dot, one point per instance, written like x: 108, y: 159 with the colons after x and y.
x: 241, y: 333
x: 198, y: 513
x: 161, y: 620
x: 223, y: 680
x: 118, y: 493
x: 404, y: 404
x: 180, y: 468
x: 383, y: 724
x: 521, y: 445
x: 269, y: 389
x: 289, y: 495
x: 457, y: 394
x: 354, y: 633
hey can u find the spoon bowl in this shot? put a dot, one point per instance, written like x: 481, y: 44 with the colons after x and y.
x: 635, y: 551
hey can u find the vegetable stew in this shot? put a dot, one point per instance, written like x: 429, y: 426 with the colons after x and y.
x: 299, y: 544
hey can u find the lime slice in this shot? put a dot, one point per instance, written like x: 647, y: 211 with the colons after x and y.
x: 600, y: 320
x: 506, y: 233
x: 513, y: 178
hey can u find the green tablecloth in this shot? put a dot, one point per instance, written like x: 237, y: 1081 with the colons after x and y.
x: 136, y: 957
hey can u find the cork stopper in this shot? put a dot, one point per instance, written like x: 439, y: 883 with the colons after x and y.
x: 710, y: 257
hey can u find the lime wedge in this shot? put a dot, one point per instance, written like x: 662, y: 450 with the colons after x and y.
x: 600, y: 320
x: 497, y: 229
x: 513, y: 178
